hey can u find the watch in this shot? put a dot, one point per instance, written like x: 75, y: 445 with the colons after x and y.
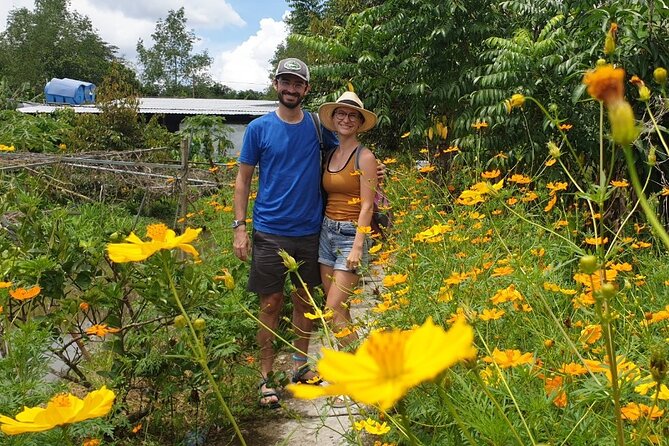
x: 238, y: 223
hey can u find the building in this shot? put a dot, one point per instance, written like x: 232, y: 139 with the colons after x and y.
x: 237, y: 112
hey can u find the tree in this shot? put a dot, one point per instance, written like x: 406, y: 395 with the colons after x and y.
x: 51, y: 41
x: 169, y: 67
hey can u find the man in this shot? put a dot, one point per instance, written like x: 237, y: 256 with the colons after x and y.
x: 287, y: 214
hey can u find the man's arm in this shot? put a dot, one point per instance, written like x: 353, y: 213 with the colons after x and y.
x: 241, y: 243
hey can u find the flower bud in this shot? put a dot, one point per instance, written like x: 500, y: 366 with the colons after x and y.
x: 658, y: 366
x: 644, y: 93
x: 608, y: 290
x: 289, y: 261
x: 588, y: 264
x: 554, y: 150
x: 660, y: 75
x: 623, y: 126
x: 180, y: 321
x: 601, y: 62
x: 199, y: 324
x: 652, y: 158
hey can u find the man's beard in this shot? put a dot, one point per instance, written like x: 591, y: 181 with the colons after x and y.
x: 290, y: 105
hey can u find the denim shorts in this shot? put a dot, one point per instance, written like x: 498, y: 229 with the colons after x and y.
x: 336, y: 243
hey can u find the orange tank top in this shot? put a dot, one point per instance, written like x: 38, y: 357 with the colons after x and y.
x: 343, y: 189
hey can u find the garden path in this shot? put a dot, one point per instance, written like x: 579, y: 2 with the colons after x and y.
x: 315, y: 422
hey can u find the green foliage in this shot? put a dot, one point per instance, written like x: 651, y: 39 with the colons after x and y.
x: 169, y: 67
x: 40, y: 133
x: 208, y: 137
x: 51, y: 41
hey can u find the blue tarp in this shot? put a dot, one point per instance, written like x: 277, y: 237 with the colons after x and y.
x: 69, y: 91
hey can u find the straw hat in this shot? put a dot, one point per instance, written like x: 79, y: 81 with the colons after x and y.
x: 348, y: 100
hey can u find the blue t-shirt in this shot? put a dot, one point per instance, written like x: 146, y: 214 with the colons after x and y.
x: 289, y: 201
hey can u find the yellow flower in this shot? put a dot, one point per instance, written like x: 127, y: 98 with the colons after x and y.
x: 596, y: 241
x: 490, y: 314
x: 91, y: 442
x: 318, y: 314
x: 389, y: 363
x: 565, y: 127
x: 227, y: 278
x: 372, y: 426
x: 406, y: 135
x: 491, y: 174
x: 509, y: 358
x: 365, y: 229
x: 161, y: 238
x: 478, y: 125
x: 4, y: 148
x: 25, y: 293
x: 6, y: 284
x: 591, y: 334
x: 502, y: 271
x: 516, y: 100
x: 101, y: 330
x: 62, y: 409
x: 394, y: 279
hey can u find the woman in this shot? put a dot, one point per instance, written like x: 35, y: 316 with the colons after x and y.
x: 349, y: 178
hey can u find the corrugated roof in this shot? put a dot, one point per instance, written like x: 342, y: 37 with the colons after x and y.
x: 176, y: 106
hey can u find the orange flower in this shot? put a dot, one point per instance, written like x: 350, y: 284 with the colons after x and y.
x: 634, y: 411
x: 509, y: 358
x: 573, y: 369
x: 565, y: 126
x: 621, y: 183
x: 520, y: 179
x: 491, y: 314
x: 491, y: 174
x: 25, y: 293
x: 478, y: 125
x: 605, y: 83
x: 101, y: 330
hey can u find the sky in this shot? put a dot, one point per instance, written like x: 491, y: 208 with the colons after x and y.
x: 240, y: 35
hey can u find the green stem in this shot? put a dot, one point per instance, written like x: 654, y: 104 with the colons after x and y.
x: 413, y: 441
x: 603, y: 314
x: 647, y: 210
x: 198, y: 349
x: 657, y: 130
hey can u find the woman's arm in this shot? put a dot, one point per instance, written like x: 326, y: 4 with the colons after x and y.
x: 368, y: 182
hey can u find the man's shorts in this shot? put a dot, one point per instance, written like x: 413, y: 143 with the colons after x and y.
x: 336, y: 242
x: 268, y: 273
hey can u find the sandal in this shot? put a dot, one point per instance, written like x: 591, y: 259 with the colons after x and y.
x: 266, y: 395
x: 299, y: 374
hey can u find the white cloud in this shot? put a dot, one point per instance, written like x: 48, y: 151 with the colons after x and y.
x: 123, y: 22
x: 247, y: 66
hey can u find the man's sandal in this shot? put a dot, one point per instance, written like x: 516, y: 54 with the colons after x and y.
x: 299, y: 374
x: 266, y: 395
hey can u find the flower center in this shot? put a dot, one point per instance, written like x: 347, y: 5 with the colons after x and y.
x: 387, y: 349
x: 61, y: 400
x: 156, y: 232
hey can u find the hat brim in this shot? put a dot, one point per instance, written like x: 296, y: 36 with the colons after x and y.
x: 326, y: 110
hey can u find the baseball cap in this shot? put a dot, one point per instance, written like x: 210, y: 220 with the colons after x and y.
x: 293, y: 66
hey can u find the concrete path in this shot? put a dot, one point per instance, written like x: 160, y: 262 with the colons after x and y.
x: 315, y: 422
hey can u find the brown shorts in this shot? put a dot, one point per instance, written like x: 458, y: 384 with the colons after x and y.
x: 268, y: 273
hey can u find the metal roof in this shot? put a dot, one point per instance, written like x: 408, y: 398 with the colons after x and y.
x: 175, y: 106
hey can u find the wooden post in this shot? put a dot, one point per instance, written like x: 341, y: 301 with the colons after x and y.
x: 183, y: 189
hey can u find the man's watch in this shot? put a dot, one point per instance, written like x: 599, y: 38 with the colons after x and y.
x: 238, y: 223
